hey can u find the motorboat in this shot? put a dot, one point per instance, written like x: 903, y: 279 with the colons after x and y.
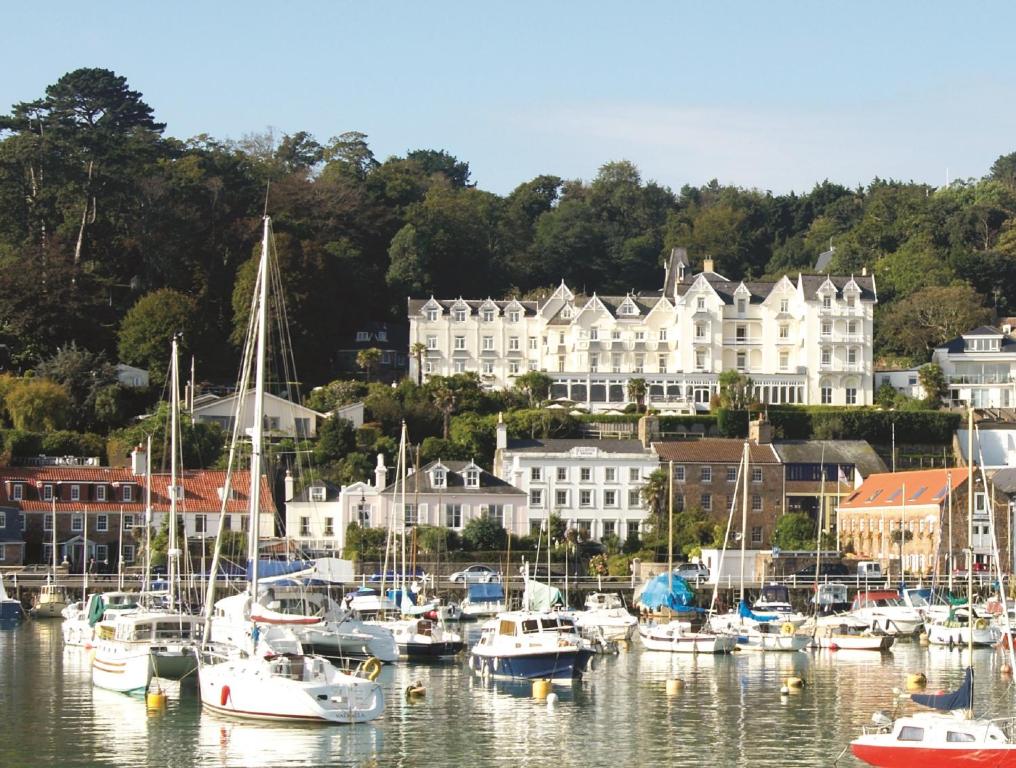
x: 885, y: 610
x: 962, y: 627
x: 50, y: 602
x: 605, y: 618
x: 132, y: 648
x: 678, y: 637
x: 420, y: 638
x: 80, y: 618
x: 848, y: 637
x: 530, y: 645
x: 947, y: 738
x: 774, y: 601
x: 483, y: 600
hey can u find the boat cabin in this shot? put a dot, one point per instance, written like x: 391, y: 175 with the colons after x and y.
x: 885, y: 598
x: 604, y: 601
x: 152, y: 629
x: 773, y: 597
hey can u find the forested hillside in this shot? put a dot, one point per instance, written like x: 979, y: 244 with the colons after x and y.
x: 114, y: 235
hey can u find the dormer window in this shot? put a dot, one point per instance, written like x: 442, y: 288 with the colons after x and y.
x: 128, y: 493
x: 100, y: 493
x: 75, y: 493
x: 472, y: 478
x: 317, y: 493
x: 983, y: 344
x: 362, y: 336
x: 47, y: 492
x: 784, y: 305
x: 827, y: 302
x: 701, y: 303
x: 459, y: 315
x: 513, y: 316
x: 566, y: 313
x: 851, y: 300
x: 742, y: 306
x: 488, y: 315
x: 440, y: 478
x: 381, y: 335
x: 18, y: 492
x: 431, y: 315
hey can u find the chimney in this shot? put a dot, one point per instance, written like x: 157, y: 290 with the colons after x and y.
x: 380, y: 473
x: 760, y: 431
x: 707, y: 265
x: 139, y: 461
x: 290, y: 490
x: 649, y: 430
x: 864, y: 271
x: 502, y: 433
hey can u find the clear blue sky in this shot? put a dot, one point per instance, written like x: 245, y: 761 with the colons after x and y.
x: 775, y: 95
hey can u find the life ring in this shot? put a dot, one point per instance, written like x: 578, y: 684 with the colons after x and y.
x: 786, y: 628
x: 981, y: 623
x: 224, y: 696
x: 371, y: 669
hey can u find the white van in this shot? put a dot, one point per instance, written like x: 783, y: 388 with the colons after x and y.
x: 869, y: 570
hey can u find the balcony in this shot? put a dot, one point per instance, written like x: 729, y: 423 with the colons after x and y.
x: 980, y: 378
x: 842, y: 310
x: 742, y: 341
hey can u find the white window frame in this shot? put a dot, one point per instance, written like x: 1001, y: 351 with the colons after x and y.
x: 102, y: 523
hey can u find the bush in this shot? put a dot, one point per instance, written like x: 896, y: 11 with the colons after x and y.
x: 871, y: 424
x: 732, y: 423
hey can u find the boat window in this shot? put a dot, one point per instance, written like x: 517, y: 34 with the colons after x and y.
x: 958, y: 736
x: 142, y: 631
x: 910, y: 733
x: 506, y: 628
x: 530, y: 625
x: 549, y: 624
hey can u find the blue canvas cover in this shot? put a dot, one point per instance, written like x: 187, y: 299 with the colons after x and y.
x: 961, y: 698
x: 657, y: 594
x: 486, y: 593
x: 269, y: 568
x: 746, y: 613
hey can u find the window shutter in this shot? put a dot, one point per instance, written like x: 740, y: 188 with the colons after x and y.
x: 421, y: 516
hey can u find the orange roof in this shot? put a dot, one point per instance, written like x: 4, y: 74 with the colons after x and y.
x: 714, y: 449
x: 201, y: 489
x: 896, y: 489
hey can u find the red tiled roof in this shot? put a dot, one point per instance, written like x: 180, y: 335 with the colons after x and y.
x: 201, y: 489
x: 714, y: 450
x: 890, y: 490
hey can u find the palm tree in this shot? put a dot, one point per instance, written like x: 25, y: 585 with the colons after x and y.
x: 654, y: 494
x: 417, y: 351
x: 368, y: 359
x: 535, y: 385
x: 637, y: 389
x: 445, y: 400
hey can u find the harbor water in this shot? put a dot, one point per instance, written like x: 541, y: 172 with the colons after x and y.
x: 729, y: 712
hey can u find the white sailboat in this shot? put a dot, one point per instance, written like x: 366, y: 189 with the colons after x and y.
x: 52, y: 599
x: 269, y: 677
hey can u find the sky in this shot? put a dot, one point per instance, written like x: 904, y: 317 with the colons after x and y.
x: 770, y: 95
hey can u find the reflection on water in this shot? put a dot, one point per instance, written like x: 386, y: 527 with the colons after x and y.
x: 729, y: 712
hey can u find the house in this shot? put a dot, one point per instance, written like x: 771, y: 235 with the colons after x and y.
x: 805, y: 340
x: 107, y: 507
x: 391, y: 339
x: 906, y: 381
x: 979, y: 368
x: 442, y: 493
x: 12, y: 544
x: 594, y: 486
x: 351, y: 412
x: 918, y: 503
x: 707, y: 476
x: 130, y: 377
x: 283, y: 418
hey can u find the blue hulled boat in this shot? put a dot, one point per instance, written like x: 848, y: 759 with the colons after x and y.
x: 530, y: 645
x: 12, y: 612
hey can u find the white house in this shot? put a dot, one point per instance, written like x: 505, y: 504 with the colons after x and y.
x: 906, y: 381
x: 980, y: 368
x: 593, y: 485
x: 131, y: 377
x: 282, y: 417
x: 351, y: 412
x: 807, y: 340
x: 443, y: 493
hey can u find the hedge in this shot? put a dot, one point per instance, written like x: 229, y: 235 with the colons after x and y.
x: 871, y: 424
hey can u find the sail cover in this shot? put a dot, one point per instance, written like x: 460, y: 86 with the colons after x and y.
x: 541, y: 597
x: 746, y: 613
x: 657, y: 594
x: 961, y: 698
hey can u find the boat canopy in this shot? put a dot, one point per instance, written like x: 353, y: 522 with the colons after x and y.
x: 961, y: 698
x: 541, y: 597
x: 746, y: 613
x: 657, y: 594
x: 486, y: 593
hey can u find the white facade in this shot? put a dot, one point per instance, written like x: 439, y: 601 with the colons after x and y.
x: 594, y: 486
x: 905, y: 381
x: 980, y: 369
x: 803, y: 341
x: 282, y: 417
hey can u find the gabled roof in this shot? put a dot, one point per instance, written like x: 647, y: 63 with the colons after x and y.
x: 824, y: 258
x: 200, y: 408
x: 891, y: 490
x: 331, y: 491
x: 565, y: 446
x: 856, y: 452
x: 678, y: 259
x: 810, y: 285
x: 419, y: 482
x: 709, y: 450
x: 984, y: 330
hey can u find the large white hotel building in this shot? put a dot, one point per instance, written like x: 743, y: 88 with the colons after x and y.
x: 806, y: 341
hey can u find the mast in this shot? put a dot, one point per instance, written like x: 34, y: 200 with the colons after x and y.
x: 257, y: 436
x: 821, y: 518
x: 744, y: 516
x: 174, y: 409
x: 949, y: 556
x: 404, y: 450
x: 119, y: 554
x: 970, y: 548
x: 670, y: 527
x: 148, y: 513
x: 84, y: 554
x: 54, y: 539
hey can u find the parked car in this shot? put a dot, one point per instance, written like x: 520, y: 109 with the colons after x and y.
x: 475, y: 574
x: 869, y: 570
x: 694, y: 572
x: 825, y: 570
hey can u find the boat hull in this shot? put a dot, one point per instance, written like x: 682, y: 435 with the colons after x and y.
x: 772, y: 642
x: 939, y: 634
x: 855, y: 642
x: 123, y: 671
x: 50, y: 609
x: 557, y: 666
x: 434, y: 650
x: 687, y: 642
x: 1002, y: 756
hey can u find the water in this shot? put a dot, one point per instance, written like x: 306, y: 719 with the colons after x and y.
x: 730, y: 713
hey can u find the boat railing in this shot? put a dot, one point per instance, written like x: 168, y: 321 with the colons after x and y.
x: 1007, y: 725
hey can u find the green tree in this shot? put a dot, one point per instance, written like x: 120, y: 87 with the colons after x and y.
x: 336, y: 438
x: 655, y: 495
x: 535, y: 385
x: 484, y: 534
x: 915, y: 325
x: 418, y: 349
x: 368, y: 360
x: 933, y: 382
x: 735, y: 390
x: 38, y: 405
x: 795, y: 531
x: 886, y: 395
x: 85, y: 376
x: 637, y: 389
x: 148, y: 328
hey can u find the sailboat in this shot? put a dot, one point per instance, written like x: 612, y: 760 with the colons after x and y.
x: 417, y: 637
x: 268, y: 676
x: 52, y: 599
x: 133, y: 647
x: 949, y: 737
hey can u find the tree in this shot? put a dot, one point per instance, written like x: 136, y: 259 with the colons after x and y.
x: 886, y: 395
x: 933, y: 382
x: 637, y: 389
x: 484, y: 534
x: 915, y: 325
x: 735, y: 390
x: 336, y: 438
x: 535, y: 385
x: 86, y: 377
x: 418, y: 349
x: 38, y: 405
x: 655, y: 495
x: 368, y: 359
x: 148, y: 328
x: 795, y: 531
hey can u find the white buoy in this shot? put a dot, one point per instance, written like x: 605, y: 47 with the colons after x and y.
x: 674, y: 686
x: 784, y: 690
x: 551, y: 700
